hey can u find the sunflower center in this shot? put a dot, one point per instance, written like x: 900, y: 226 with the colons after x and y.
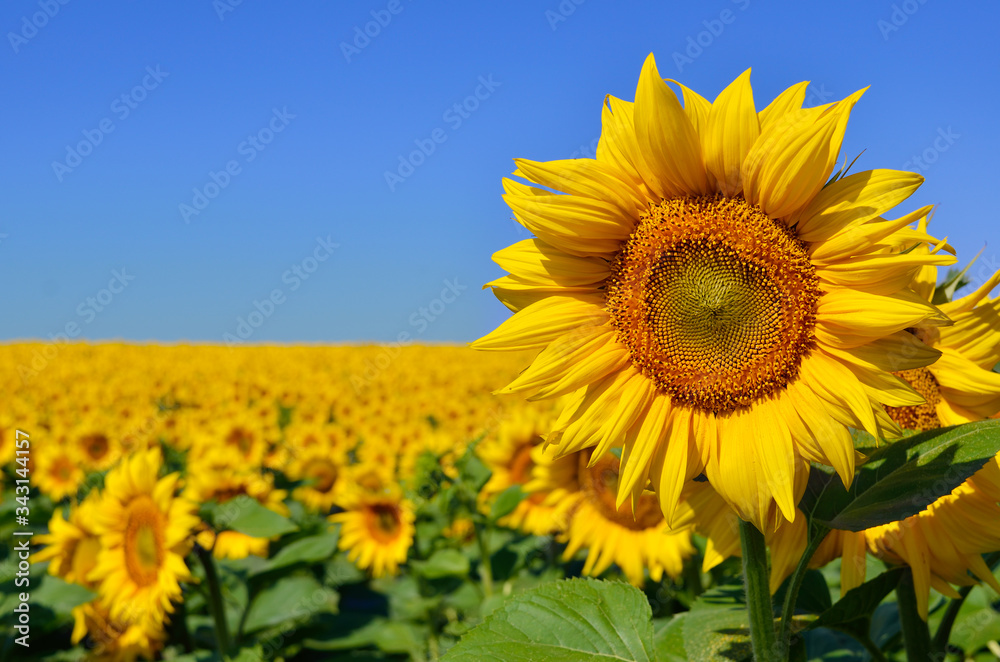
x: 325, y: 475
x: 715, y: 301
x: 919, y: 417
x: 521, y: 464
x: 96, y: 446
x: 600, y: 485
x: 383, y: 522
x: 143, y: 541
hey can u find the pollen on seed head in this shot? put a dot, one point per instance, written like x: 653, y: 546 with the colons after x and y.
x: 715, y: 301
x: 919, y: 417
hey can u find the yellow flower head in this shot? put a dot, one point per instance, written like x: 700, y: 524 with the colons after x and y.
x: 703, y: 291
x: 376, y: 530
x: 145, y: 532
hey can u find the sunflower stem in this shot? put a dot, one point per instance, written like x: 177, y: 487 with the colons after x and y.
x: 485, y: 563
x: 940, y: 643
x: 916, y: 636
x: 795, y: 583
x: 755, y: 577
x: 215, y: 604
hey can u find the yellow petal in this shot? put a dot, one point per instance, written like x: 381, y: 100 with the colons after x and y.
x: 793, y: 158
x: 542, y: 322
x: 669, y: 144
x: 853, y: 200
x: 788, y: 101
x: 534, y: 261
x: 732, y: 129
x: 587, y: 178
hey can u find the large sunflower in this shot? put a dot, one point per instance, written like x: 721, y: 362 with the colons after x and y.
x: 706, y: 293
x: 145, y: 532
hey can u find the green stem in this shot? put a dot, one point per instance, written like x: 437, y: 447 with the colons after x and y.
x: 943, y: 634
x: 485, y: 563
x: 755, y: 576
x: 215, y: 601
x: 795, y: 583
x: 916, y: 636
x: 692, y: 576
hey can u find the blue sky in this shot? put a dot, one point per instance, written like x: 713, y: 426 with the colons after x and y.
x: 171, y: 168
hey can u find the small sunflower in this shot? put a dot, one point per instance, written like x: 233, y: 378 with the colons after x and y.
x: 705, y: 291
x: 509, y: 453
x: 145, y: 533
x: 221, y: 484
x: 114, y: 639
x: 323, y: 473
x: 634, y: 538
x: 376, y: 530
x: 72, y: 545
x: 59, y: 473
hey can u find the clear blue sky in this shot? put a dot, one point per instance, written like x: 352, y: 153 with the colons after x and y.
x: 345, y: 117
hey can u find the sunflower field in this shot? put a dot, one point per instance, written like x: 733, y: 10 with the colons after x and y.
x: 736, y: 413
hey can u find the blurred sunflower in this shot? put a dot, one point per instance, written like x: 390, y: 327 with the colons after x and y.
x: 707, y: 293
x: 322, y: 472
x: 222, y: 485
x: 635, y: 539
x: 59, y: 472
x: 509, y: 453
x: 114, y: 639
x: 145, y: 533
x: 376, y: 529
x: 72, y: 545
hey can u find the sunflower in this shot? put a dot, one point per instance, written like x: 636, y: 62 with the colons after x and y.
x: 59, y: 472
x: 322, y: 472
x: 633, y: 539
x: 508, y: 452
x: 944, y: 543
x: 72, y: 545
x: 704, y: 290
x: 114, y: 640
x: 145, y: 532
x: 223, y: 484
x: 376, y: 529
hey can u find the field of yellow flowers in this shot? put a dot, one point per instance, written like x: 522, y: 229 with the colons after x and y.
x: 191, y: 502
x: 290, y: 502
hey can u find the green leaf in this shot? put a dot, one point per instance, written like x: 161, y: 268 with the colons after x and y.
x: 60, y: 596
x: 903, y: 478
x: 668, y: 639
x: 575, y: 620
x: 247, y: 516
x: 507, y: 501
x: 814, y: 594
x: 313, y: 549
x: 853, y: 612
x: 295, y: 597
x: 352, y: 630
x: 443, y: 563
x: 716, y: 633
x: 472, y: 471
